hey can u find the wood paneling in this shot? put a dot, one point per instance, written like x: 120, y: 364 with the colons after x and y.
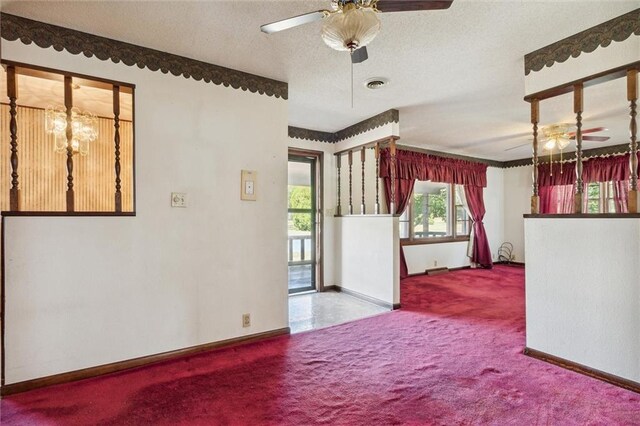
x: 43, y: 173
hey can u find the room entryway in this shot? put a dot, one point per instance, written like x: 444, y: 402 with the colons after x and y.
x: 312, y: 311
x: 303, y: 223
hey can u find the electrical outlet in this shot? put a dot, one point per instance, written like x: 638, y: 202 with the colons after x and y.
x: 246, y: 320
x: 435, y: 263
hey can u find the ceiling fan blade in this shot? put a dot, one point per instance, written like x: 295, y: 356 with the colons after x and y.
x: 359, y: 55
x: 412, y: 5
x: 593, y: 130
x: 519, y: 146
x: 285, y: 24
x: 596, y: 138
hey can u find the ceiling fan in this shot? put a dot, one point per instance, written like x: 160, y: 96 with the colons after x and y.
x: 350, y: 25
x: 558, y: 136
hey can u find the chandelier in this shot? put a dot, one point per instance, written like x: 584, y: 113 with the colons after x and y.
x: 353, y: 25
x: 557, y: 138
x: 84, y: 129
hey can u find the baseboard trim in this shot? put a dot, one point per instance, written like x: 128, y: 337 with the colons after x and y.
x: 426, y: 272
x: 583, y: 369
x: 509, y: 263
x: 114, y: 367
x: 460, y: 268
x: 366, y: 298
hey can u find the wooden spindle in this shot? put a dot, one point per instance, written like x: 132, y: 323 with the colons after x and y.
x: 12, y: 94
x: 363, y: 154
x: 377, y: 153
x: 68, y: 103
x: 116, y: 141
x: 338, y: 166
x: 632, y: 97
x: 578, y: 106
x: 350, y: 156
x: 535, y: 118
x: 392, y: 158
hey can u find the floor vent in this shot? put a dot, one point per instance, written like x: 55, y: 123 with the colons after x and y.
x: 437, y: 271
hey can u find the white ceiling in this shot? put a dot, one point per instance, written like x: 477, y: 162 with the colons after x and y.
x: 42, y: 93
x: 456, y: 75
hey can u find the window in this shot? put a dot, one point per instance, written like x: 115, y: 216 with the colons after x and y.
x: 102, y: 176
x: 609, y: 195
x: 436, y: 212
x: 600, y: 197
x: 594, y: 200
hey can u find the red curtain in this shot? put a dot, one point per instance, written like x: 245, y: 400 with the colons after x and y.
x: 614, y: 168
x: 621, y: 196
x: 481, y: 252
x: 404, y: 189
x: 565, y: 198
x: 548, y: 200
x: 412, y: 166
x: 419, y: 166
x: 557, y: 185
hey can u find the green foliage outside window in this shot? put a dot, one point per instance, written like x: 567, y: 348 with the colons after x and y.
x: 300, y: 198
x: 593, y: 196
x: 437, y: 206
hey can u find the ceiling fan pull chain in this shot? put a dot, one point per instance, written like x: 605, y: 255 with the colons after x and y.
x: 351, y: 81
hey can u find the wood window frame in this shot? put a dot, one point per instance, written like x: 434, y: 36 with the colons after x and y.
x: 86, y: 80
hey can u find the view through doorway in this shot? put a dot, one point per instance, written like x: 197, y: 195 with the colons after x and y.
x: 303, y: 226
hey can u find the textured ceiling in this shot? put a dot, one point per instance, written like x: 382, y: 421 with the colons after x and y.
x: 42, y: 93
x: 456, y: 75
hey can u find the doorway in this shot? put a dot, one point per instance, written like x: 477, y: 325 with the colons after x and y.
x: 303, y: 221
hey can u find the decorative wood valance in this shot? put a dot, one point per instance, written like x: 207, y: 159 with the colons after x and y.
x: 415, y: 165
x: 28, y: 31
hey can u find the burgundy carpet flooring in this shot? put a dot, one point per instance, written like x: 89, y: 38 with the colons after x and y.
x: 452, y: 355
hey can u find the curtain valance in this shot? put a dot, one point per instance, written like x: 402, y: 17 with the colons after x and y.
x: 419, y: 166
x: 614, y: 168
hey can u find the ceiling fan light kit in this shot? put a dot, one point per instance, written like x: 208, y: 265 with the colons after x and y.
x: 352, y: 27
x: 352, y: 24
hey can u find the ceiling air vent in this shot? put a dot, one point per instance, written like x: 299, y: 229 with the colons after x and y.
x: 376, y: 83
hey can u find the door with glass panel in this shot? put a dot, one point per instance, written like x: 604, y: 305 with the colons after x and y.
x: 301, y: 247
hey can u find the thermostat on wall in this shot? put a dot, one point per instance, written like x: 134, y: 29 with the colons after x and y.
x: 248, y: 185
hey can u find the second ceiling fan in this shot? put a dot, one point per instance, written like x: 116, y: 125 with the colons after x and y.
x: 352, y: 24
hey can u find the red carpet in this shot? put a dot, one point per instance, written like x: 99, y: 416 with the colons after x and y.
x: 452, y: 355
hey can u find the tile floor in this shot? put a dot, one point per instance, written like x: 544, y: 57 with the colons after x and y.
x: 318, y: 310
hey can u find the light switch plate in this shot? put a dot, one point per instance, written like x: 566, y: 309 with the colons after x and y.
x: 248, y: 182
x: 178, y: 199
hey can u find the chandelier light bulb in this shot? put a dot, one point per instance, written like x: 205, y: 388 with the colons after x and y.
x: 84, y: 129
x: 550, y: 144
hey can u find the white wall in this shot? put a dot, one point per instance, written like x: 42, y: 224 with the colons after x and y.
x: 454, y: 255
x: 84, y: 291
x: 614, y: 55
x: 517, y: 201
x: 583, y: 291
x: 368, y: 256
